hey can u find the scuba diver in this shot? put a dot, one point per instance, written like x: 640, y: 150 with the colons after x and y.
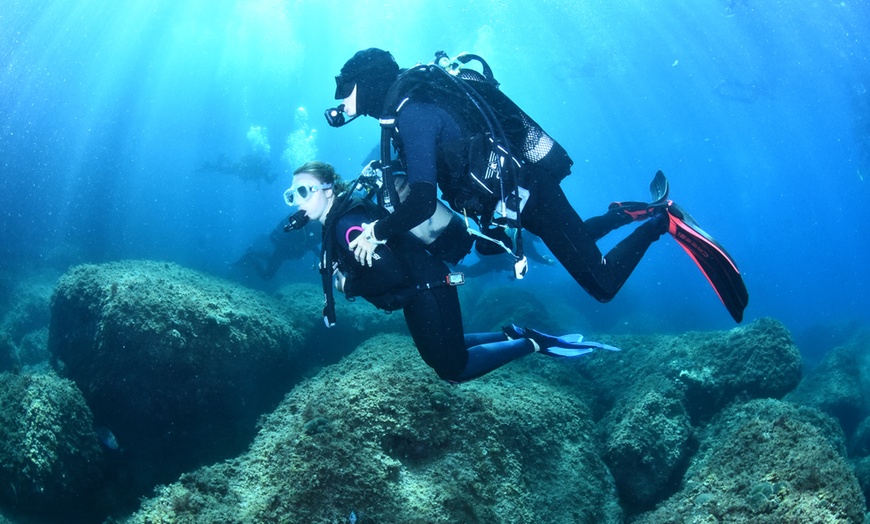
x: 267, y: 262
x: 453, y: 129
x: 403, y: 275
x: 252, y: 166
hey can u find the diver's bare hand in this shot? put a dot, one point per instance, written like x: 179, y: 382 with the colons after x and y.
x: 364, y: 245
x: 362, y: 250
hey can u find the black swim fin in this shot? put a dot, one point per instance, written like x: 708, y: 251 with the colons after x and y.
x: 716, y: 264
x: 658, y: 190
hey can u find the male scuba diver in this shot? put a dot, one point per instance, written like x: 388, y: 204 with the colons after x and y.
x: 441, y: 143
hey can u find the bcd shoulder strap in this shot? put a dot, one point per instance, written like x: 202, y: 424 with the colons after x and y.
x: 494, y: 173
x: 328, y: 259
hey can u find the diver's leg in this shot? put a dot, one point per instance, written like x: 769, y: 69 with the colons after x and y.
x: 484, y: 358
x: 271, y: 267
x: 623, y: 213
x: 474, y: 339
x: 549, y: 215
x: 253, y: 260
x: 627, y: 254
x: 599, y: 226
x: 435, y: 322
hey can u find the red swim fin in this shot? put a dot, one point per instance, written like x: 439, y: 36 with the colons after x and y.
x: 716, y: 264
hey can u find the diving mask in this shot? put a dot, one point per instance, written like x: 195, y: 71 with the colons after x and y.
x: 299, y: 194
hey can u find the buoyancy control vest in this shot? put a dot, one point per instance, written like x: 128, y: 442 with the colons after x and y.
x: 483, y: 172
x: 329, y: 258
x: 389, y: 287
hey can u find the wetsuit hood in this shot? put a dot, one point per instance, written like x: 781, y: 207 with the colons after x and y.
x: 372, y: 71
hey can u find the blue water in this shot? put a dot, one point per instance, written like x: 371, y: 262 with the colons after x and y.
x: 758, y: 112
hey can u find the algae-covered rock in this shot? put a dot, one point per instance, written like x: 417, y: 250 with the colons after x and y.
x: 859, y: 442
x: 356, y: 320
x: 380, y: 436
x: 154, y: 343
x: 861, y: 468
x: 177, y: 364
x: 489, y: 308
x: 836, y: 386
x: 24, y: 315
x: 647, y: 438
x: 49, y: 453
x: 766, y: 461
x: 7, y: 352
x: 652, y: 395
x: 754, y: 361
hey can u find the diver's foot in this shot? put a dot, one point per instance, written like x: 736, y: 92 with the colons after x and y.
x: 637, y: 211
x: 660, y: 219
x: 659, y: 189
x: 561, y: 346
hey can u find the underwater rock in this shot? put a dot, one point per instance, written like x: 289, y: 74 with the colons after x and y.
x: 24, y: 317
x: 861, y: 468
x: 765, y: 461
x: 7, y: 351
x: 647, y: 438
x: 715, y: 368
x: 759, y: 360
x: 651, y: 396
x: 356, y: 321
x: 859, y: 442
x: 49, y: 453
x: 172, y: 359
x: 379, y: 436
x: 835, y: 386
x: 487, y: 308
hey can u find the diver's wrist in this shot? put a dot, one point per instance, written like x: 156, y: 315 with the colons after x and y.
x: 369, y: 233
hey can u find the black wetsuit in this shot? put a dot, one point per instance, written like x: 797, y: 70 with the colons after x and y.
x: 405, y: 276
x: 425, y: 129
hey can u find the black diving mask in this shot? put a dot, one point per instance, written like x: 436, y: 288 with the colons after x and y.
x: 343, y: 87
x: 335, y: 116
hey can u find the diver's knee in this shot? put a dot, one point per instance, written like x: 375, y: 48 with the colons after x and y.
x: 600, y: 294
x: 449, y: 375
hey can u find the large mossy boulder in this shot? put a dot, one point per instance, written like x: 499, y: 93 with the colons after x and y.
x: 381, y: 436
x: 49, y: 452
x: 179, y: 365
x: 767, y: 461
x: 713, y: 368
x: 651, y: 397
x: 759, y: 360
x: 838, y: 385
x: 646, y: 440
x: 24, y: 314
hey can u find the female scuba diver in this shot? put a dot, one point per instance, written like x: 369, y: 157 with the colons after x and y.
x: 403, y: 275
